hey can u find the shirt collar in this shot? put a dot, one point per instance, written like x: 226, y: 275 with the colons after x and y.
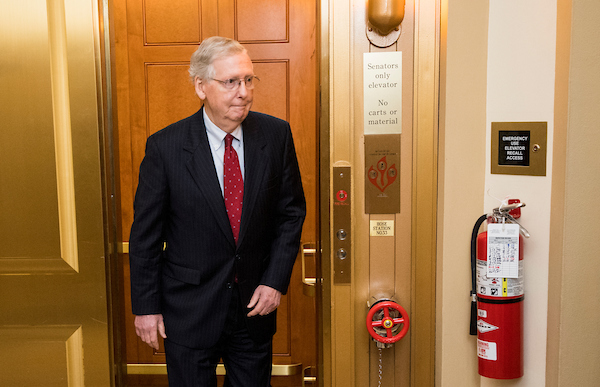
x: 216, y: 135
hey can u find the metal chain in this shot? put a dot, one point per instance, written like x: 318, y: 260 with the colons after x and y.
x: 380, y: 366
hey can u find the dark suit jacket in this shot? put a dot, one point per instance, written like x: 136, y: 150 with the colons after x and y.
x: 179, y: 201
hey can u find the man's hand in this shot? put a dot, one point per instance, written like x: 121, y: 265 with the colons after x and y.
x: 264, y: 301
x: 146, y: 327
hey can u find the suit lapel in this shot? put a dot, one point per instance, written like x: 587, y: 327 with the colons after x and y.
x: 254, y: 165
x: 202, y: 168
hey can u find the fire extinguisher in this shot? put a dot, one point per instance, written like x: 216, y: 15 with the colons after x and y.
x: 497, y: 292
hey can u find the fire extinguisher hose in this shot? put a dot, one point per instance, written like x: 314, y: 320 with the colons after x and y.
x: 473, y: 325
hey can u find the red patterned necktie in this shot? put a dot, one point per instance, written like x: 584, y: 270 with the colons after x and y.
x: 233, y: 186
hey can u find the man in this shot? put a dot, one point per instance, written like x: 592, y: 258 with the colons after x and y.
x: 217, y: 228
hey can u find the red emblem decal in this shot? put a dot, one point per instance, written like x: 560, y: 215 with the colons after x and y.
x: 382, y: 176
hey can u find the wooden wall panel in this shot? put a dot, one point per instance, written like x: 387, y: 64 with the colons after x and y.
x: 165, y: 23
x: 271, y: 95
x: 282, y: 339
x: 170, y: 94
x: 262, y: 21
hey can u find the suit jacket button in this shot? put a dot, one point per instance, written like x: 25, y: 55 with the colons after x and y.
x: 237, y: 257
x: 229, y: 285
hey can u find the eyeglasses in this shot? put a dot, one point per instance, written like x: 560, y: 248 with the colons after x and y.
x: 234, y: 83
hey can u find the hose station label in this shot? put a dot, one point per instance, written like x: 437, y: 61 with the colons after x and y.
x: 382, y: 227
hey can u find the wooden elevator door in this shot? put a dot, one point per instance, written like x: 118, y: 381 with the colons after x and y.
x: 154, y: 42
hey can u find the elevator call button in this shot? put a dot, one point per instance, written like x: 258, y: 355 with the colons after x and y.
x: 342, y: 222
x: 342, y: 195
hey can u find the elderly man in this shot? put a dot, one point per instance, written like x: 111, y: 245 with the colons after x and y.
x: 221, y: 190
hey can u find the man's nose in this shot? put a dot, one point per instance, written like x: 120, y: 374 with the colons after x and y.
x: 242, y: 89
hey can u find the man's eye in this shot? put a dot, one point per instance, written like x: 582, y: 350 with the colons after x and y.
x: 230, y: 82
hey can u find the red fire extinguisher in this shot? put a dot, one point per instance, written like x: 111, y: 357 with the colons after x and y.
x: 497, y: 292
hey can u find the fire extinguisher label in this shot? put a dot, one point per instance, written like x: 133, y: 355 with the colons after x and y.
x: 486, y: 350
x: 503, y: 250
x: 484, y: 327
x: 498, y: 287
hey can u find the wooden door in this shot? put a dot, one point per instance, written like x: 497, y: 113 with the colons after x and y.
x: 154, y: 42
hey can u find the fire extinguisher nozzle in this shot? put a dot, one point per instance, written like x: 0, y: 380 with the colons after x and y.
x: 473, y: 327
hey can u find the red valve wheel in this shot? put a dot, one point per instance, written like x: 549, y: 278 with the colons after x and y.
x: 388, y: 322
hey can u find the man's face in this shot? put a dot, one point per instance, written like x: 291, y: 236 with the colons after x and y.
x: 227, y: 108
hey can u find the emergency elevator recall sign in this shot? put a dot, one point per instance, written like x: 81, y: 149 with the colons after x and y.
x: 382, y: 76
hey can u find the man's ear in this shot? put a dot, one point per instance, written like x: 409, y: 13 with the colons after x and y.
x: 199, y: 87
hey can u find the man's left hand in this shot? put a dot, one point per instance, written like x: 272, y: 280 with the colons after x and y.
x: 264, y: 301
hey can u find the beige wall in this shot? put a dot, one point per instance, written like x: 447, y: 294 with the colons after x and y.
x: 573, y: 335
x: 508, y: 63
x: 462, y: 176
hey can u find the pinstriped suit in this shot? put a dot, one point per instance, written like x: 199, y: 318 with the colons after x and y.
x: 179, y: 201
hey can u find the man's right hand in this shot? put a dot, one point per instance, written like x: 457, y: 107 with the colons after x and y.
x: 146, y: 327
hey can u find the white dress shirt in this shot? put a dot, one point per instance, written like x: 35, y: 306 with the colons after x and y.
x: 216, y: 140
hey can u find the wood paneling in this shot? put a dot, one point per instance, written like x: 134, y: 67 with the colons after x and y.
x: 271, y: 95
x: 168, y: 23
x: 170, y: 95
x: 262, y: 21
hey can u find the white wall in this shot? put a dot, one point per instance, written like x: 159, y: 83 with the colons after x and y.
x: 520, y: 87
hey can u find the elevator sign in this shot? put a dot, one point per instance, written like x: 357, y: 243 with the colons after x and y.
x: 382, y: 76
x: 519, y: 148
x: 513, y: 148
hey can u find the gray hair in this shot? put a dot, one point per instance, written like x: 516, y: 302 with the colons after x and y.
x: 209, y: 50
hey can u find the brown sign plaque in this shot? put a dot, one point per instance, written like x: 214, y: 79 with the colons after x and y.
x: 519, y: 148
x: 382, y: 173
